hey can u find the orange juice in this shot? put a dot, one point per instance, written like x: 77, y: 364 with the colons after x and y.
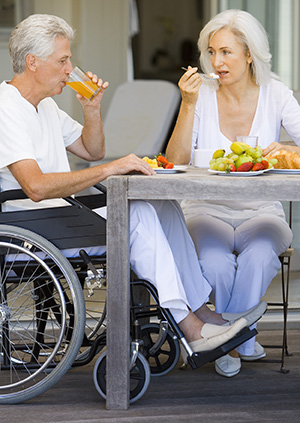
x: 87, y: 88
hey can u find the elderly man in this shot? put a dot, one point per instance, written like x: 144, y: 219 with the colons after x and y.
x: 34, y: 137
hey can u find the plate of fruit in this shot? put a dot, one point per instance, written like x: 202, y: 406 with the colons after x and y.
x: 161, y: 165
x: 243, y: 160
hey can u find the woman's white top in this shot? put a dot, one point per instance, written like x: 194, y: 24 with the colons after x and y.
x: 276, y: 108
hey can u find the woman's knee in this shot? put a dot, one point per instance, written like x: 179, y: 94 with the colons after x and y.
x: 263, y: 233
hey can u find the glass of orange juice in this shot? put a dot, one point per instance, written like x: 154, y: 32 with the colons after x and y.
x: 82, y: 84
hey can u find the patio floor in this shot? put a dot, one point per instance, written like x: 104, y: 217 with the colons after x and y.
x: 258, y: 394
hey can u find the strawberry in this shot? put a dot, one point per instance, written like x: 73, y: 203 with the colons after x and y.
x: 232, y: 168
x: 265, y: 164
x: 169, y: 165
x: 245, y: 167
x: 161, y: 160
x: 258, y: 166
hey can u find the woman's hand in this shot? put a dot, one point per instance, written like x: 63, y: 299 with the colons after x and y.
x: 276, y: 146
x: 189, y: 85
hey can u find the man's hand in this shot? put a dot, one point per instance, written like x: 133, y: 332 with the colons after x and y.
x: 130, y: 163
x: 97, y: 99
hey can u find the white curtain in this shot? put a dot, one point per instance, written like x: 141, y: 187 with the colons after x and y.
x: 133, y: 30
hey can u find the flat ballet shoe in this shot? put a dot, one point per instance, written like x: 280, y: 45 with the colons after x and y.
x: 259, y: 352
x: 252, y: 315
x: 213, y: 336
x: 228, y: 366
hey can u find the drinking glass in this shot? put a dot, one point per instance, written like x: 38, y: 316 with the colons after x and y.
x: 82, y: 84
x: 250, y: 140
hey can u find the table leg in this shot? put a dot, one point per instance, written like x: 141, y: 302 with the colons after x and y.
x: 118, y: 296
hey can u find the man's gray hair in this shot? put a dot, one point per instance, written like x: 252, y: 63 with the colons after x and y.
x: 36, y: 35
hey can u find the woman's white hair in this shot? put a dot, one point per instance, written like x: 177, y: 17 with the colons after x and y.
x: 36, y: 35
x: 250, y: 33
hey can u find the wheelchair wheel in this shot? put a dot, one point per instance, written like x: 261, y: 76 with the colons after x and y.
x: 42, y: 315
x: 139, y: 377
x: 166, y: 357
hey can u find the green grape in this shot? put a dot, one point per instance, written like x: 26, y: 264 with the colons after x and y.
x: 251, y: 152
x: 273, y: 161
x: 221, y: 167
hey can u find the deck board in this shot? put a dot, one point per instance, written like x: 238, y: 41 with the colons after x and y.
x: 260, y: 393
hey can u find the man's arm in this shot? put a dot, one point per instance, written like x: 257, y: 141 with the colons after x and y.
x: 39, y: 186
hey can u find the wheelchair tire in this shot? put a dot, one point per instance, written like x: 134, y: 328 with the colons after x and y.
x: 166, y: 357
x: 139, y: 377
x: 42, y: 315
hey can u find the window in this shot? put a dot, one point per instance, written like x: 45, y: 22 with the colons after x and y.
x: 280, y: 19
x: 12, y: 12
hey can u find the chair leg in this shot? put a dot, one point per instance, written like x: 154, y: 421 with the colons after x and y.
x: 285, y: 281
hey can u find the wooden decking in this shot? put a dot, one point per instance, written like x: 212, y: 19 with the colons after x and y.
x: 258, y: 394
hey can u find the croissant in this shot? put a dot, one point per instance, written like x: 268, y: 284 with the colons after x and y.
x: 285, y: 159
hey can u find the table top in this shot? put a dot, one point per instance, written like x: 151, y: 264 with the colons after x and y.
x: 199, y: 183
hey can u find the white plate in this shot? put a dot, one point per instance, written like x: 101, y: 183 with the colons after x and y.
x: 286, y: 171
x: 250, y: 173
x: 176, y: 169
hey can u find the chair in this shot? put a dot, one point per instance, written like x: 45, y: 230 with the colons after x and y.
x: 285, y: 259
x: 139, y: 118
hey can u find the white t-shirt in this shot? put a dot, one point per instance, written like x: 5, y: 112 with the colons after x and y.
x: 40, y: 134
x: 276, y: 107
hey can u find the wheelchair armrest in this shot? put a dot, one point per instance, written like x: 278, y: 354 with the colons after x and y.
x: 101, y: 188
x: 92, y: 201
x: 13, y: 194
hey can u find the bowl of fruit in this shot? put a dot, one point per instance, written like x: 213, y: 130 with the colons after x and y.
x: 243, y: 160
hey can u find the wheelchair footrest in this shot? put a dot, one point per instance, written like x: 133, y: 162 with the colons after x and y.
x: 199, y: 359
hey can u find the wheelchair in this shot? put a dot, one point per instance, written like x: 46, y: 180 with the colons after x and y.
x: 52, y: 308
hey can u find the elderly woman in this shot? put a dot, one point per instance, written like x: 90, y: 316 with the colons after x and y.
x: 237, y: 243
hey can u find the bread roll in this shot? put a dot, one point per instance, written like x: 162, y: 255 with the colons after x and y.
x: 285, y: 159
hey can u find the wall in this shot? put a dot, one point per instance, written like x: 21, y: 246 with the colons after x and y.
x: 100, y: 45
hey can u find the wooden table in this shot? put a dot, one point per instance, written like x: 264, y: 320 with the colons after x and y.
x: 194, y: 183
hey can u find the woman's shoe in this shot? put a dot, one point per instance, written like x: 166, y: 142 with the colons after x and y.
x: 259, y: 352
x: 252, y: 315
x: 228, y: 366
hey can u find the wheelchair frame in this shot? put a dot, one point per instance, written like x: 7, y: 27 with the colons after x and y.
x: 43, y: 308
